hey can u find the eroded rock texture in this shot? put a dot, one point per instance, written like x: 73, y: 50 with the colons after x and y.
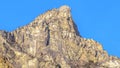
x: 52, y: 41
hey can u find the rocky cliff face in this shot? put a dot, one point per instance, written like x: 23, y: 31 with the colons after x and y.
x: 52, y: 41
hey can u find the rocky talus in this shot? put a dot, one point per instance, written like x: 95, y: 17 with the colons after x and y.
x: 52, y: 41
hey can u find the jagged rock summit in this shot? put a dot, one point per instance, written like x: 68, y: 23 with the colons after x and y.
x: 52, y: 41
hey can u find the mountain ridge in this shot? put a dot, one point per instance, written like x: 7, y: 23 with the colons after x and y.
x: 52, y: 41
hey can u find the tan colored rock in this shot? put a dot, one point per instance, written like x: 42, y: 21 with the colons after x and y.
x: 52, y: 41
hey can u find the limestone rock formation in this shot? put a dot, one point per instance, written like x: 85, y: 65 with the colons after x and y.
x: 52, y: 41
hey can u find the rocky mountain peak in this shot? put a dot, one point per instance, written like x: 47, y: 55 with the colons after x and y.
x: 56, y: 20
x: 64, y: 8
x: 52, y: 41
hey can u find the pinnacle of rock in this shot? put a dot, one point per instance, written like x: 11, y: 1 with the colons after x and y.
x: 64, y: 9
x: 52, y: 41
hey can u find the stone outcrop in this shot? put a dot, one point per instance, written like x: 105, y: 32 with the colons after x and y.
x: 52, y: 41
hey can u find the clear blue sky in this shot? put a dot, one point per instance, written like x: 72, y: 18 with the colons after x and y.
x: 97, y: 19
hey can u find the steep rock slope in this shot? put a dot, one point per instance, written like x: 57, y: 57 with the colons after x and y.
x: 52, y: 41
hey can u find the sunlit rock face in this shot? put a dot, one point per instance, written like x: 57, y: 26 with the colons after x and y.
x: 52, y: 41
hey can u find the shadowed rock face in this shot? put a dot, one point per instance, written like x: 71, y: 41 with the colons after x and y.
x: 52, y: 41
